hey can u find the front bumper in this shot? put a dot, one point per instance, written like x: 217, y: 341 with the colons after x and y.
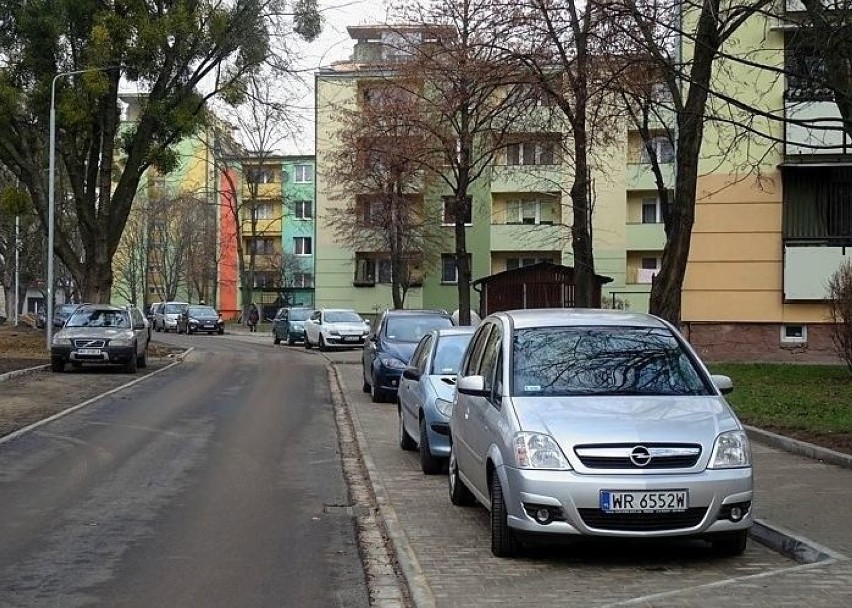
x: 577, y: 498
x: 296, y: 334
x: 438, y: 429
x: 108, y: 354
x: 344, y: 341
x: 387, y: 378
x: 212, y: 326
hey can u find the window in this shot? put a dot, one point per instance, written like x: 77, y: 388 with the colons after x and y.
x: 302, y: 279
x: 816, y: 205
x: 262, y: 245
x: 650, y: 263
x: 303, y: 210
x: 651, y: 211
x: 449, y: 271
x: 531, y: 153
x: 261, y: 175
x: 661, y: 147
x: 266, y: 278
x: 302, y: 245
x: 303, y: 174
x: 804, y: 63
x: 365, y: 269
x: 489, y: 358
x: 448, y: 212
x: 513, y: 263
x: 519, y: 211
x: 796, y: 334
x: 265, y: 211
x: 371, y: 212
x: 471, y: 363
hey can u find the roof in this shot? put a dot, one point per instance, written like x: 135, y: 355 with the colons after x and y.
x: 533, y: 267
x: 456, y: 330
x: 417, y: 311
x: 563, y: 317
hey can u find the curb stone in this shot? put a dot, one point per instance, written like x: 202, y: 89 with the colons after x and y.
x: 22, y: 372
x: 803, y: 448
x: 792, y: 545
x: 22, y: 431
x: 412, y: 576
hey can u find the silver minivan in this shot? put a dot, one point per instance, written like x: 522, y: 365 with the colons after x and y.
x: 596, y: 423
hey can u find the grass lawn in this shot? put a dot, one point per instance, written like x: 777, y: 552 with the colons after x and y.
x: 811, y: 398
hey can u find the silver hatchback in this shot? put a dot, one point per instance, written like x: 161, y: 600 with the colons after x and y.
x: 596, y: 423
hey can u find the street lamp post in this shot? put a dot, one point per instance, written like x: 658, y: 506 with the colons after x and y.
x: 48, y: 321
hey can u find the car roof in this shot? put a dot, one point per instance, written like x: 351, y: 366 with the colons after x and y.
x: 335, y: 310
x: 417, y: 311
x: 566, y: 317
x: 101, y: 307
x: 456, y: 330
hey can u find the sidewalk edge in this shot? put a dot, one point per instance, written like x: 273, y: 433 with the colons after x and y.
x: 792, y: 545
x: 802, y: 448
x: 418, y: 588
x: 29, y: 428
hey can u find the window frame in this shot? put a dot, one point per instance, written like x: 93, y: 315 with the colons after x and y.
x: 304, y: 240
x: 299, y: 173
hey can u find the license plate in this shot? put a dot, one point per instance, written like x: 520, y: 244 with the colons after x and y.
x: 665, y: 501
x: 209, y: 326
x: 351, y: 338
x: 88, y: 351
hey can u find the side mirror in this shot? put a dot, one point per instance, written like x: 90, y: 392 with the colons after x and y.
x: 367, y: 321
x: 723, y: 383
x: 411, y: 373
x: 473, y: 386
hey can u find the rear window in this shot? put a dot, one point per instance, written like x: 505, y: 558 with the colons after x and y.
x: 173, y: 309
x: 589, y: 361
x: 300, y: 314
x: 449, y: 353
x: 202, y: 311
x: 410, y: 328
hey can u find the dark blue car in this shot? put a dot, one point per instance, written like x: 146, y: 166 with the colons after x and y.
x: 388, y: 350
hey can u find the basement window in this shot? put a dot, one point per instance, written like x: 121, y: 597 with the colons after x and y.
x: 794, y: 334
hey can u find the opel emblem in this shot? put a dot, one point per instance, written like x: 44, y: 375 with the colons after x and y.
x: 640, y: 456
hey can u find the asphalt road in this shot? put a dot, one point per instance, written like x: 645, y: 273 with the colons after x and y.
x: 215, y: 483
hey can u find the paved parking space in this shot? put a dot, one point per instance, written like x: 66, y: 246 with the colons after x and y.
x: 450, y: 548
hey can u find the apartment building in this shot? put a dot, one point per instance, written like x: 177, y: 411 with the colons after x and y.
x: 520, y: 209
x: 298, y: 238
x: 774, y: 218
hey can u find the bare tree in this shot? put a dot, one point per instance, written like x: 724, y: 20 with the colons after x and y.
x: 378, y: 166
x: 840, y: 312
x: 131, y: 261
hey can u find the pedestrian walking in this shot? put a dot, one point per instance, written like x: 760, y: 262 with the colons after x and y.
x: 253, y: 317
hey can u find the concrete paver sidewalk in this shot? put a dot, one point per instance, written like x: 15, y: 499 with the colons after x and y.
x: 448, y: 547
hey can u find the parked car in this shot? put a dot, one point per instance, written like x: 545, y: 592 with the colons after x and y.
x: 389, y: 349
x: 289, y: 324
x: 100, y: 333
x: 62, y: 312
x: 338, y: 327
x: 596, y: 423
x: 156, y: 316
x: 166, y: 315
x: 200, y: 318
x: 426, y: 395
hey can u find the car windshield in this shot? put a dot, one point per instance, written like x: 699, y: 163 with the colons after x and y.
x: 449, y: 354
x: 66, y: 309
x: 568, y: 361
x: 202, y: 311
x: 301, y: 314
x: 173, y: 309
x: 342, y: 316
x: 99, y: 318
x: 410, y: 328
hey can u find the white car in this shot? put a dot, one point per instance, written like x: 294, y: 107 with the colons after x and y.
x: 337, y: 327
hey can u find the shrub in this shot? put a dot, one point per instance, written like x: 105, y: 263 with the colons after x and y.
x: 840, y: 311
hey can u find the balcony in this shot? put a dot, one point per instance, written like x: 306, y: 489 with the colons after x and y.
x: 824, y: 134
x: 645, y: 237
x: 264, y: 227
x: 526, y: 178
x: 527, y: 237
x: 641, y: 177
x: 808, y: 268
x: 271, y: 190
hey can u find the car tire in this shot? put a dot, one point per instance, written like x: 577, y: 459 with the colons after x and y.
x: 221, y: 331
x: 57, y: 365
x: 460, y: 494
x: 730, y: 544
x: 429, y: 463
x: 307, y: 342
x: 290, y: 340
x: 132, y: 364
x: 365, y: 386
x: 188, y: 330
x: 405, y: 440
x: 503, y: 541
x: 275, y: 338
x: 377, y: 395
x: 143, y: 360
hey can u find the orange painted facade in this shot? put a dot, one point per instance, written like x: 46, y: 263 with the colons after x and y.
x: 228, y: 267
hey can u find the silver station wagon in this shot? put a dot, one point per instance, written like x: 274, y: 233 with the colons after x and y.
x: 596, y: 423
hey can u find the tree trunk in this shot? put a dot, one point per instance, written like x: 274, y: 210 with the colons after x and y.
x: 96, y: 282
x: 462, y: 204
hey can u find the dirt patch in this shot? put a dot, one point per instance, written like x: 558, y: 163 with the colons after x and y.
x: 839, y: 442
x: 21, y: 347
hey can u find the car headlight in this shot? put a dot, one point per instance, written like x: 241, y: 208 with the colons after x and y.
x: 125, y: 341
x: 60, y: 341
x: 191, y: 320
x: 445, y: 407
x: 731, y: 451
x: 392, y: 363
x: 333, y: 332
x: 539, y: 451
